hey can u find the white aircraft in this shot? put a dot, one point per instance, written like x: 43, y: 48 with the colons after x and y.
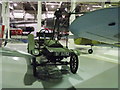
x: 97, y: 27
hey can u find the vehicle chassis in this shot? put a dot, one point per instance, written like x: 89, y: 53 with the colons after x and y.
x: 52, y: 50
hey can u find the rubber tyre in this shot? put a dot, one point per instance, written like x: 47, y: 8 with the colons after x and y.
x: 90, y: 51
x: 34, y: 67
x: 28, y: 48
x: 74, y: 63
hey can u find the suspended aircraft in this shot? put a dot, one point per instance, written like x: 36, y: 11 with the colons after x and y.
x: 99, y: 27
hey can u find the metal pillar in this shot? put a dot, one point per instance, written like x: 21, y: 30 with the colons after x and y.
x: 72, y: 18
x: 39, y: 16
x: 5, y: 17
x: 73, y: 5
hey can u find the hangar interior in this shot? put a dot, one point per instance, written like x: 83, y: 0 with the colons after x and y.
x: 20, y: 18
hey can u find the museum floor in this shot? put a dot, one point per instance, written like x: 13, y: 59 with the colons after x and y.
x: 97, y: 70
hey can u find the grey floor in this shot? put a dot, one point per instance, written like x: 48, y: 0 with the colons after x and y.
x: 98, y: 70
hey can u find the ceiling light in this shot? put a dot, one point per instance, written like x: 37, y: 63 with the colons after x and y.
x: 88, y: 8
x: 15, y: 4
x: 52, y: 6
x: 66, y: 9
x: 97, y: 6
x: 16, y: 58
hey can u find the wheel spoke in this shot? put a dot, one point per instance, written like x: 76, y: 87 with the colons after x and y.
x: 74, y: 63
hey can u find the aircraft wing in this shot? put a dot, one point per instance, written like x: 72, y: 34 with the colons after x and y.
x: 14, y: 53
x: 84, y: 41
x: 100, y: 26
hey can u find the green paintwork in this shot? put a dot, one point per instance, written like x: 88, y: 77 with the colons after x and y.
x: 83, y: 41
x: 51, y: 42
x: 52, y: 49
x: 31, y: 42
